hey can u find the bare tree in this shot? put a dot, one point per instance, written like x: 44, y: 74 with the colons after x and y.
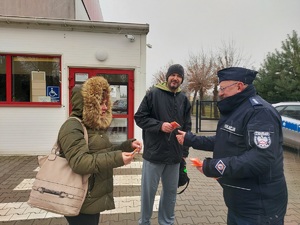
x: 160, y: 75
x: 227, y: 56
x: 199, y: 74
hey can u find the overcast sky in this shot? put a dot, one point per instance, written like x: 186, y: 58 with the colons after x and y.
x: 179, y: 28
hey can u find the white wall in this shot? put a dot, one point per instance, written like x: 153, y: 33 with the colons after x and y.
x: 33, y: 130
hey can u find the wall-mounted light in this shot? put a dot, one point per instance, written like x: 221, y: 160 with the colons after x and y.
x: 101, y: 55
x: 130, y: 37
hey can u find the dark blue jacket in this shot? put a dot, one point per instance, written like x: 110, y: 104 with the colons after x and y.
x: 158, y: 106
x: 247, y: 156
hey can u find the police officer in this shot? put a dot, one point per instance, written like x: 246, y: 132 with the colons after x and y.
x: 247, y: 152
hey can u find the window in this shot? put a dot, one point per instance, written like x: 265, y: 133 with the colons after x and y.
x: 291, y: 111
x: 119, y: 97
x: 280, y: 108
x: 119, y: 89
x: 30, y: 80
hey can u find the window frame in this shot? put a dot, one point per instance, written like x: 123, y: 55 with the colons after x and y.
x: 92, y: 72
x: 9, y: 99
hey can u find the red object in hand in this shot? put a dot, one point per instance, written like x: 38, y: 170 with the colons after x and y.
x: 196, y: 162
x: 134, y: 151
x: 175, y: 124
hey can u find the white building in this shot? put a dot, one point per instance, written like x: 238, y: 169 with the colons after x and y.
x: 41, y: 59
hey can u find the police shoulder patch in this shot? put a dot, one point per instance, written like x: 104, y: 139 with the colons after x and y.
x: 262, y: 139
x: 220, y: 166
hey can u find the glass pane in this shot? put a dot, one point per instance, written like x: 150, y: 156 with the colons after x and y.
x: 117, y: 131
x: 2, y: 78
x: 80, y: 78
x: 35, y: 79
x: 119, y: 99
x: 115, y: 78
x: 279, y: 109
x: 292, y: 111
x: 119, y: 89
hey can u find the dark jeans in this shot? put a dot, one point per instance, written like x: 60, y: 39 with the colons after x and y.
x: 84, y: 219
x: 235, y: 219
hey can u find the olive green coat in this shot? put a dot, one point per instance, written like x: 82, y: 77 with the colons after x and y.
x: 99, y: 157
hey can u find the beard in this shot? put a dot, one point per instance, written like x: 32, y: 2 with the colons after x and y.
x: 173, y: 85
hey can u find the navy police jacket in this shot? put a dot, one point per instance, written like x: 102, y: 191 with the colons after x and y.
x: 158, y: 106
x: 247, y: 156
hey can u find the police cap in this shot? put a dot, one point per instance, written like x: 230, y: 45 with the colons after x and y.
x: 238, y: 74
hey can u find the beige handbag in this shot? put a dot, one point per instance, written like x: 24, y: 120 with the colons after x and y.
x: 56, y: 187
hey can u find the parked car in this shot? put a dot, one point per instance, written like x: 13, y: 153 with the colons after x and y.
x: 120, y: 105
x: 290, y: 114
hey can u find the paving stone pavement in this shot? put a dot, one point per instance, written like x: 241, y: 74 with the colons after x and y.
x: 202, y: 203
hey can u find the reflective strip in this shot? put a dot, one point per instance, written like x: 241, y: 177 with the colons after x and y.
x: 245, y: 189
x: 229, y: 131
x: 291, y: 126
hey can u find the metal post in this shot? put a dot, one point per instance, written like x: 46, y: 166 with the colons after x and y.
x: 200, y: 116
x: 197, y: 116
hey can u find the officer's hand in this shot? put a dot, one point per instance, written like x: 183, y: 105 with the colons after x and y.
x: 200, y: 169
x: 180, y: 136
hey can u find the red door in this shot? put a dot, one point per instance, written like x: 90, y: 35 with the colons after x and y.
x: 122, y: 92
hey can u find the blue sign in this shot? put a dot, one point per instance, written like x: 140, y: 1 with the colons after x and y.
x: 53, y: 92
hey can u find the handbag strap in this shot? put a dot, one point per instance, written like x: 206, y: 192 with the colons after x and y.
x: 84, y: 128
x: 56, y: 147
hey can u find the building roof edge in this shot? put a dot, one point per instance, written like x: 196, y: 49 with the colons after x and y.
x: 73, y: 25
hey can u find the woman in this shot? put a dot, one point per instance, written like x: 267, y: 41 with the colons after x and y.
x: 91, y: 103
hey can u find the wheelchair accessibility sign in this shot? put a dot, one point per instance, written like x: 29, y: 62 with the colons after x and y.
x: 53, y: 93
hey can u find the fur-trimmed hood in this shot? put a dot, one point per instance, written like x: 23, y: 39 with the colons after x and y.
x: 86, y: 103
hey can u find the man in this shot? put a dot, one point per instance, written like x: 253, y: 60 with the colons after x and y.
x: 247, y: 152
x: 162, y: 154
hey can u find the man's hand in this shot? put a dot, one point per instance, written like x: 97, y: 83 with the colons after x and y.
x: 167, y: 127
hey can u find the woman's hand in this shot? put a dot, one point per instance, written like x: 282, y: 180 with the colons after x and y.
x: 137, y: 146
x: 180, y: 136
x: 127, y: 157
